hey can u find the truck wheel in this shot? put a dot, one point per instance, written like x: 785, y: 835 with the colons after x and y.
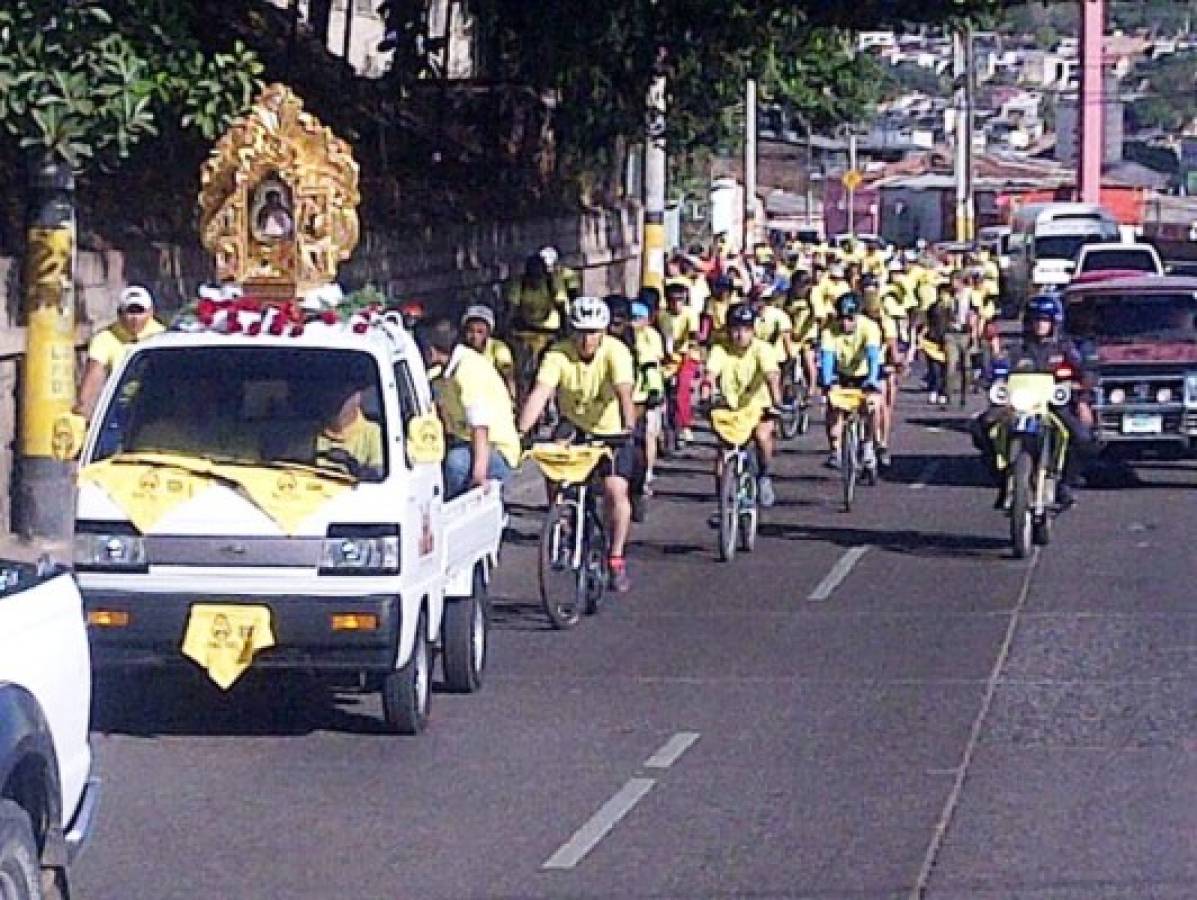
x: 20, y: 874
x: 407, y: 692
x: 464, y: 637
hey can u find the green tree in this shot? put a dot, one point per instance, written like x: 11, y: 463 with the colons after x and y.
x: 84, y: 82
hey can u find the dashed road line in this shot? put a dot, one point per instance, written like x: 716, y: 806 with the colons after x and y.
x: 838, y: 573
x: 926, y: 475
x: 600, y: 824
x: 672, y: 750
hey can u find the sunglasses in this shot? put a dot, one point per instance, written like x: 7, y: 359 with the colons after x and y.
x: 135, y: 309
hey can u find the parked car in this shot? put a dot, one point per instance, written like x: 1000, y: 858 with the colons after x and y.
x: 1117, y: 257
x: 48, y: 794
x: 1140, y: 336
x: 206, y: 508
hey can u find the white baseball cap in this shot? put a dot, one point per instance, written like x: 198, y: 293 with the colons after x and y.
x: 481, y: 313
x: 135, y: 295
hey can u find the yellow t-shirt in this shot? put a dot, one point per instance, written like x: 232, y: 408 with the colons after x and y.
x: 700, y: 291
x: 806, y: 321
x: 472, y: 395
x: 679, y: 330
x: 362, y: 440
x: 850, y: 349
x: 109, y: 346
x: 743, y: 373
x: 826, y: 292
x: 536, y: 306
x: 771, y: 325
x: 586, y: 389
x: 500, y: 357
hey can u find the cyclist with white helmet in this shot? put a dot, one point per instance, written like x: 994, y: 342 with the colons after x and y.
x: 593, y: 375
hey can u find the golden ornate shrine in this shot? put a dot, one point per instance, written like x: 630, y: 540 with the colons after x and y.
x: 278, y: 199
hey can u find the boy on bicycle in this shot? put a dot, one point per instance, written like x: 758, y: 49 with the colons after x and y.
x: 749, y: 376
x: 850, y: 357
x: 592, y: 375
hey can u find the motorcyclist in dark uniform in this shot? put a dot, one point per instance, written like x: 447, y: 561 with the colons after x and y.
x: 1043, y: 349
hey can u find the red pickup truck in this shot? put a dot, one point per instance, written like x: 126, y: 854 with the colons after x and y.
x: 1140, y: 337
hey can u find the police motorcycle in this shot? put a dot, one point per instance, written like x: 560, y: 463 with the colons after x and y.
x: 1031, y: 445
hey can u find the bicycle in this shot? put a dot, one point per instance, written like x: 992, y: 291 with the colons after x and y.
x: 796, y: 393
x: 852, y: 402
x: 572, y: 571
x: 529, y: 345
x: 738, y: 517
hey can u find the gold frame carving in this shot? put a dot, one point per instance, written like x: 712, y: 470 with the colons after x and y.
x: 277, y: 140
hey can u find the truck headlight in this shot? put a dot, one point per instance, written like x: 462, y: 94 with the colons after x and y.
x: 1191, y: 389
x: 109, y: 547
x: 360, y: 550
x: 1117, y: 396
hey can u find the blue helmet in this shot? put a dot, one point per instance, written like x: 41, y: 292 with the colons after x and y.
x: 1045, y: 306
x: 847, y: 305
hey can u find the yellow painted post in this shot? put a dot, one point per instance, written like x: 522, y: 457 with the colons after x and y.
x: 45, y: 491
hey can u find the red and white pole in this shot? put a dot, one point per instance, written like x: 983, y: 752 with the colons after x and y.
x: 1092, y: 102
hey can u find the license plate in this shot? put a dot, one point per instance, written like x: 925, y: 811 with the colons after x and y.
x: 1142, y: 423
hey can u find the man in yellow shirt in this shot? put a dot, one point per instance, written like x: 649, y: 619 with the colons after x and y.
x: 593, y: 375
x: 477, y: 333
x: 680, y: 328
x: 348, y: 440
x: 749, y: 376
x: 833, y: 285
x: 476, y: 409
x: 135, y: 322
x: 850, y: 356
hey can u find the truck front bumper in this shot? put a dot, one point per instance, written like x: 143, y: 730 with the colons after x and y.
x: 304, y: 637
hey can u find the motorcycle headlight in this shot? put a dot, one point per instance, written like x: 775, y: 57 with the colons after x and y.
x: 360, y: 550
x: 1061, y: 394
x: 999, y: 393
x: 109, y: 547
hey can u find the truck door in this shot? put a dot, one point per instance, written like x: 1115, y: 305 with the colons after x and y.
x: 422, y: 526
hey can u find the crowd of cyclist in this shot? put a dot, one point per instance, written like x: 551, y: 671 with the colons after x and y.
x: 767, y: 330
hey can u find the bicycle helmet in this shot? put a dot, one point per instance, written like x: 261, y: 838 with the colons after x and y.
x: 1045, y: 306
x: 847, y: 306
x: 589, y: 314
x: 550, y: 256
x: 740, y: 315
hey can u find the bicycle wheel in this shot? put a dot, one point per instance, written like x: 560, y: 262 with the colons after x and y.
x: 789, y: 423
x: 850, y: 461
x: 747, y: 507
x: 729, y: 517
x: 803, y: 400
x: 965, y: 372
x: 592, y: 576
x: 557, y: 575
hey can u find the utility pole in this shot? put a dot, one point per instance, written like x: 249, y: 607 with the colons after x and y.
x: 46, y: 490
x: 749, y: 162
x: 810, y: 167
x: 963, y: 100
x: 1091, y: 115
x: 852, y: 190
x: 654, y: 187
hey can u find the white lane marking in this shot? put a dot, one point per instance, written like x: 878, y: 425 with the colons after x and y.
x: 919, y: 891
x: 671, y: 751
x: 600, y: 824
x: 837, y: 574
x: 926, y: 475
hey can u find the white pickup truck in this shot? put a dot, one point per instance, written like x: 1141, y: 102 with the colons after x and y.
x: 233, y: 511
x: 48, y: 797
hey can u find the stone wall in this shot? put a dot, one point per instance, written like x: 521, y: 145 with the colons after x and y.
x: 446, y: 267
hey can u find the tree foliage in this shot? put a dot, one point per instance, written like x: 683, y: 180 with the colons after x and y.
x: 86, y: 81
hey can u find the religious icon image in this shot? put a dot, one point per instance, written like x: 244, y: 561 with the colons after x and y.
x: 272, y: 218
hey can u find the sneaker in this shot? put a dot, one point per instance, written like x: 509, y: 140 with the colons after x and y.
x: 765, y: 493
x: 687, y: 436
x: 833, y: 461
x: 618, y: 579
x: 649, y: 477
x: 883, y: 459
x: 868, y: 456
x: 932, y: 398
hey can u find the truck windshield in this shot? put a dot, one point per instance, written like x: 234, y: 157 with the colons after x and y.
x: 1133, y: 317
x: 1062, y: 246
x: 1108, y: 260
x: 261, y: 406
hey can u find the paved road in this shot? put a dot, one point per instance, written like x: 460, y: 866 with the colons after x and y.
x: 947, y: 722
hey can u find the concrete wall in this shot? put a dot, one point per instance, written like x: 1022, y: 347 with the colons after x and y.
x: 447, y: 268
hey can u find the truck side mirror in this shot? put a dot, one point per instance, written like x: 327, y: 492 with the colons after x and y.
x: 425, y: 439
x: 67, y: 437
